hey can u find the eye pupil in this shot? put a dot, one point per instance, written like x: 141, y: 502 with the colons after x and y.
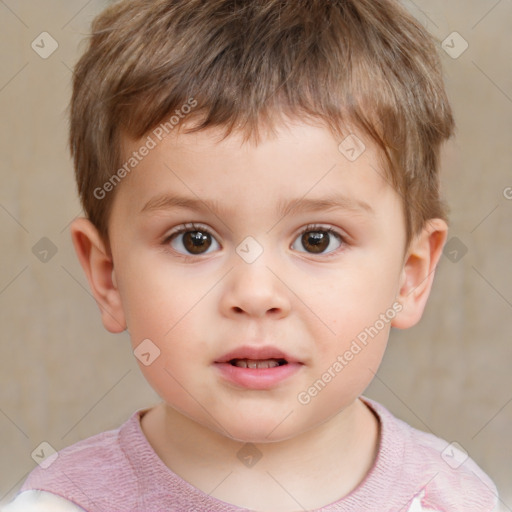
x: 315, y: 241
x: 196, y: 242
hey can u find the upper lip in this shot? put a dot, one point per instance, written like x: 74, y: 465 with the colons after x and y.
x: 255, y: 353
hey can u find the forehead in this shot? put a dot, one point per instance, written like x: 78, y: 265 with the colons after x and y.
x: 300, y: 166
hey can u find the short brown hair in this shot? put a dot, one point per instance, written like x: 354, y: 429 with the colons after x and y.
x: 367, y: 63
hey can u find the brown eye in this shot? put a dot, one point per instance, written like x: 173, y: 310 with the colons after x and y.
x: 193, y: 241
x: 196, y: 242
x: 317, y: 241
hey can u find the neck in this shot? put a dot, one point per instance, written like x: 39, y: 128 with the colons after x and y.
x: 311, y: 470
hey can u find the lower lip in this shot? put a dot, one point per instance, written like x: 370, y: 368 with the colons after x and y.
x: 257, y: 378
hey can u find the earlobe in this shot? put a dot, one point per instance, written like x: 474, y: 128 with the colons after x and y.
x: 418, y: 272
x: 98, y: 267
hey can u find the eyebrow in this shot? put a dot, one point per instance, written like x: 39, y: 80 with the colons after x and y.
x: 284, y: 208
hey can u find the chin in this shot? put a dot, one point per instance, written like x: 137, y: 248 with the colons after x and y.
x: 258, y: 430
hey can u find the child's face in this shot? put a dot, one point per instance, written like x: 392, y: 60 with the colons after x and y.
x: 308, y: 297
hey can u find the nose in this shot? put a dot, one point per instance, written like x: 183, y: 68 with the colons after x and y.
x: 255, y: 291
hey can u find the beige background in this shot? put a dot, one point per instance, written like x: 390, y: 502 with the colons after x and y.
x: 63, y: 377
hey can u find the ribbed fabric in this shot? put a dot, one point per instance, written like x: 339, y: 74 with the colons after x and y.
x: 119, y: 471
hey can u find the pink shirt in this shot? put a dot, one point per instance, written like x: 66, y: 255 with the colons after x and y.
x: 119, y: 471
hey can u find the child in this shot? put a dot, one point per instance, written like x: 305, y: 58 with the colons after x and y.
x: 260, y: 179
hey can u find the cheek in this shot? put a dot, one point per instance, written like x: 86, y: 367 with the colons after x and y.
x: 157, y: 298
x: 346, y: 304
x: 173, y: 311
x: 183, y: 351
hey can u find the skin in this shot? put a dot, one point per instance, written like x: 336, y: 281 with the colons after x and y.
x: 197, y: 307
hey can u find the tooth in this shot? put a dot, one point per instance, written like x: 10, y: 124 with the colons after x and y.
x: 251, y: 363
x: 269, y: 363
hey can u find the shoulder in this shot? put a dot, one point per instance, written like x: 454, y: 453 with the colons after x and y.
x: 93, y: 470
x: 440, y: 474
x: 86, y: 458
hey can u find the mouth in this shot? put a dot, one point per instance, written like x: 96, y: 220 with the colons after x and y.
x: 257, y: 367
x: 250, y: 356
x: 257, y: 363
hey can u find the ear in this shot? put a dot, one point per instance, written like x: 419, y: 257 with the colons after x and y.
x: 99, y: 269
x: 418, y: 272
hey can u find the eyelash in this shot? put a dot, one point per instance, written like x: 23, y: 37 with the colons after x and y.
x: 185, y: 228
